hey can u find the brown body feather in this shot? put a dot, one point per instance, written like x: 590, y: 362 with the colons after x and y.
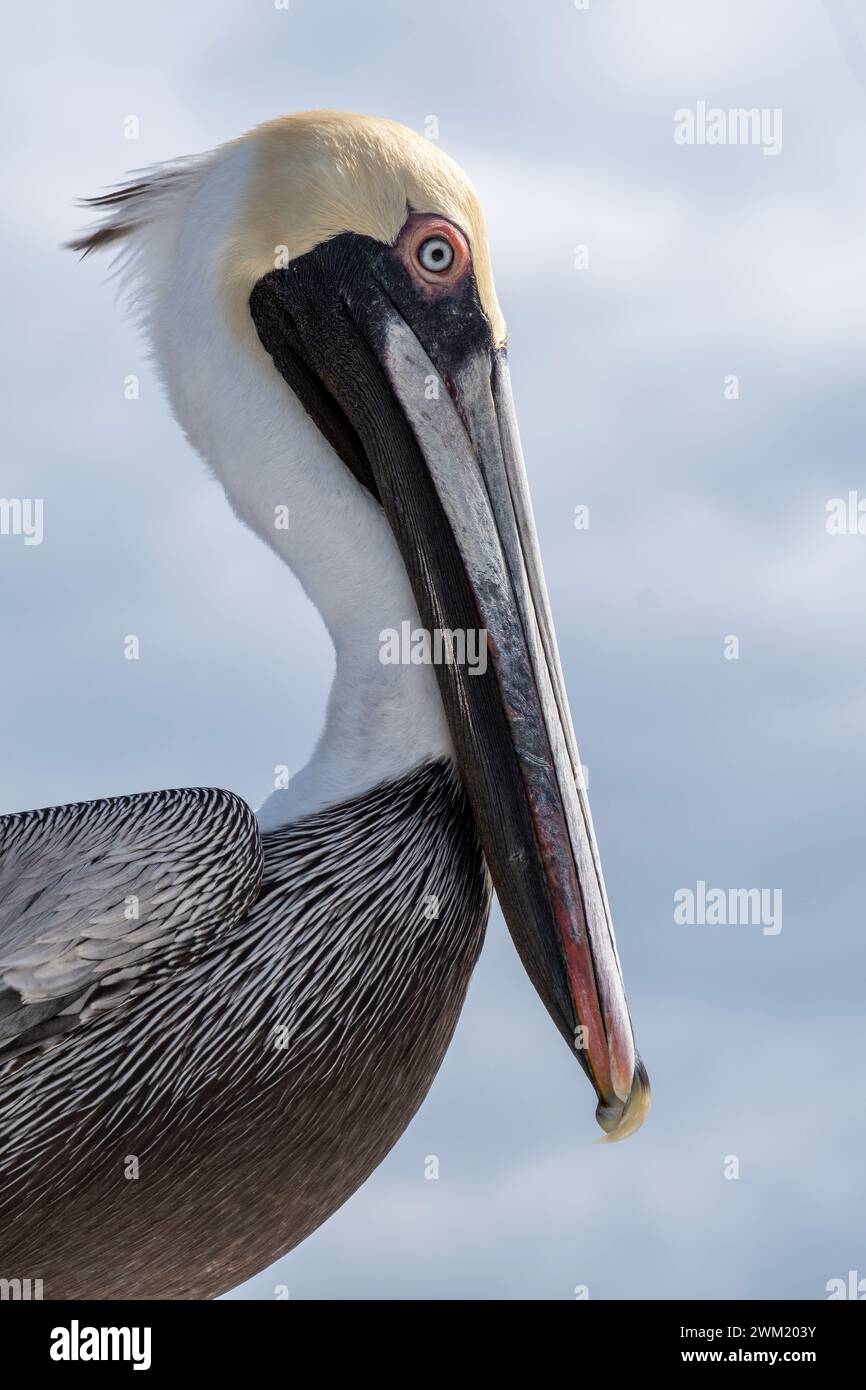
x: 180, y: 1144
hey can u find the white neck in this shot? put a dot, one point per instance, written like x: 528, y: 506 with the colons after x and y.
x: 382, y: 720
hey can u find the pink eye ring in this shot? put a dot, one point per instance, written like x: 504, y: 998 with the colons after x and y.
x: 433, y: 250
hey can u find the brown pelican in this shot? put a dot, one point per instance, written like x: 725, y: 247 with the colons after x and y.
x: 214, y: 1025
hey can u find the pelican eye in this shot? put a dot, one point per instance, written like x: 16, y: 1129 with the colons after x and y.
x: 436, y: 253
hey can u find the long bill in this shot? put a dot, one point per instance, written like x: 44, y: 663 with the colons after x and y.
x: 438, y: 435
x: 520, y: 765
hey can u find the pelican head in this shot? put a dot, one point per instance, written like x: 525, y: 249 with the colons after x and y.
x: 320, y: 300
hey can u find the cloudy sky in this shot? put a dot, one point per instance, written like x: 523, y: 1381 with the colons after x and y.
x: 738, y: 765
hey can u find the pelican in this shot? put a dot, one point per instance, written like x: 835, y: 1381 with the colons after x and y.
x: 214, y: 1024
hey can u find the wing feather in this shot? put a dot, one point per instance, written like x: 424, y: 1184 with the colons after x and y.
x: 100, y: 900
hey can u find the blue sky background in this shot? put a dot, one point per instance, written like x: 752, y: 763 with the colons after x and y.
x: 707, y: 518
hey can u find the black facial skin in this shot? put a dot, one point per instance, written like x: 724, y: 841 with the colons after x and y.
x: 317, y: 319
